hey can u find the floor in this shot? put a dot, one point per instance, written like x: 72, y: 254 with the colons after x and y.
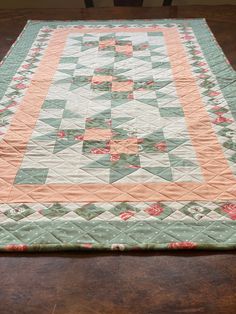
x: 117, y: 283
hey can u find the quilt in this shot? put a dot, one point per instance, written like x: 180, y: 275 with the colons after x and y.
x: 117, y: 135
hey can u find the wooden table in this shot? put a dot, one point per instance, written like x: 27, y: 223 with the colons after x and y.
x: 117, y: 283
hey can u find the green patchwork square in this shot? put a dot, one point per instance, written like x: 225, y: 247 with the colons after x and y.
x: 56, y: 210
x: 3, y: 122
x: 67, y: 138
x: 107, y: 48
x: 89, y: 211
x: 79, y: 81
x: 96, y: 147
x: 89, y: 44
x: 171, y: 112
x: 140, y: 47
x: 161, y: 172
x: 161, y: 65
x: 70, y: 134
x: 123, y: 42
x: 125, y: 165
x: 233, y: 158
x: 192, y: 209
x: 173, y: 143
x: 120, y: 134
x: 72, y: 60
x: 31, y: 176
x: 97, y: 123
x: 121, y: 95
x: 18, y: 212
x: 126, y: 160
x: 150, y: 142
x: 230, y: 145
x: 103, y: 71
x: 159, y: 34
x: 103, y: 161
x: 5, y: 113
x: 102, y: 86
x: 54, y: 104
x: 54, y: 122
x: 123, y: 207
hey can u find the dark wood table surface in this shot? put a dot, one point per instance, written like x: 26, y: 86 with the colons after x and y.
x: 115, y: 283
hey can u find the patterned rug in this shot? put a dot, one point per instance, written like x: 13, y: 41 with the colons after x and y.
x: 117, y: 135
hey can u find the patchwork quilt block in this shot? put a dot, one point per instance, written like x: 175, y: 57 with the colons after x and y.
x: 117, y: 135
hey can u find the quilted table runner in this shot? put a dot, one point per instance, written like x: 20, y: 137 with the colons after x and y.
x: 117, y: 135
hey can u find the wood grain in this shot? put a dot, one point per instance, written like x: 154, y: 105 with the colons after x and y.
x: 113, y: 283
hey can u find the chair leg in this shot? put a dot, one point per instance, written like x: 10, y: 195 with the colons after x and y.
x: 88, y: 3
